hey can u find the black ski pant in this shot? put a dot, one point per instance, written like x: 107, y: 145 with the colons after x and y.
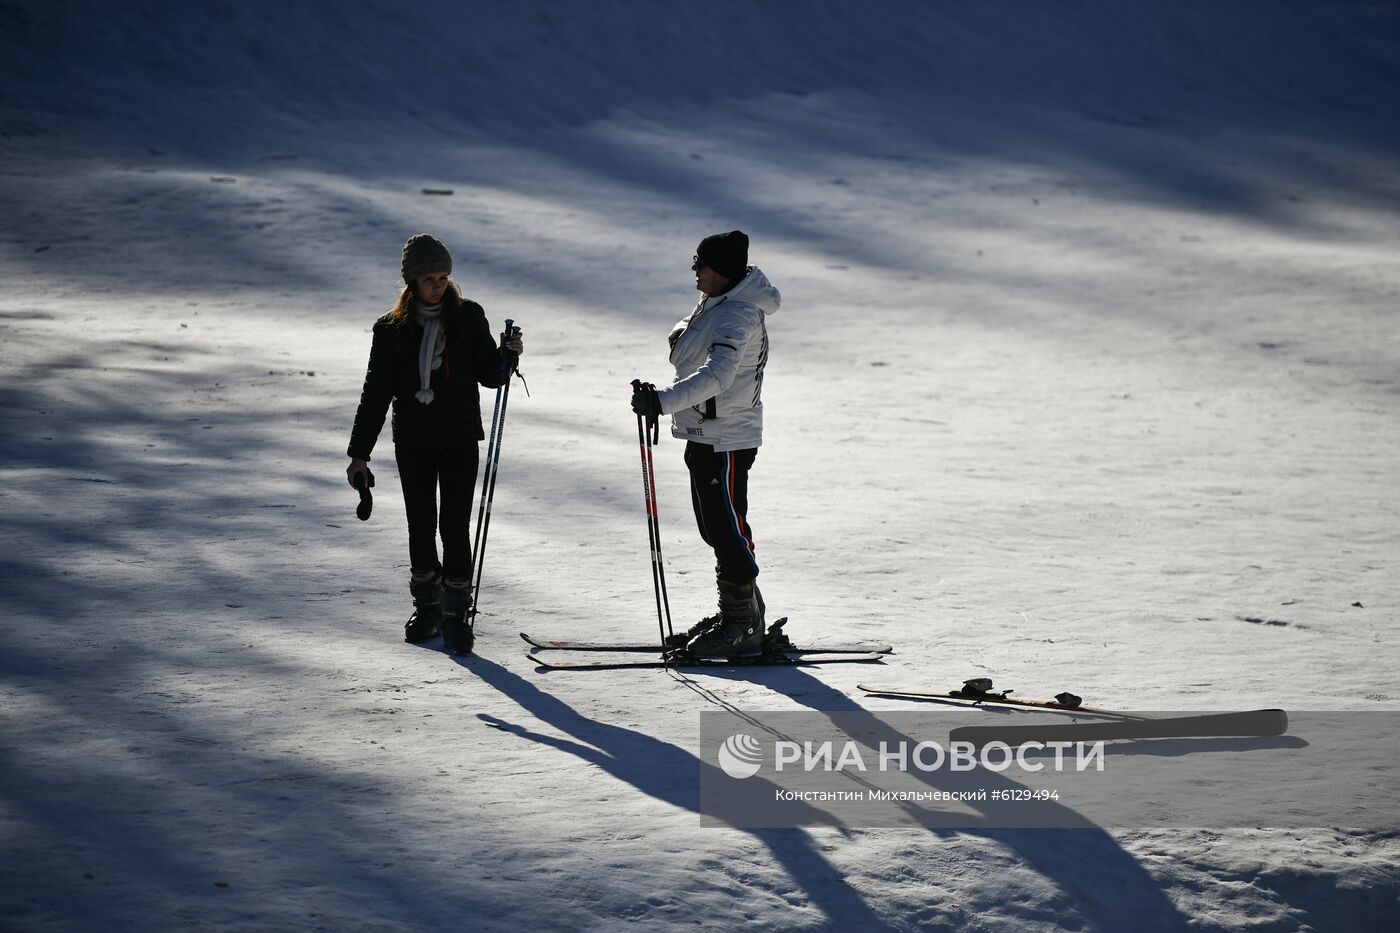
x: 719, y: 491
x: 424, y: 472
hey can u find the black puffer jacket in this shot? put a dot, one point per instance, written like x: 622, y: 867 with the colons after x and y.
x: 454, y: 417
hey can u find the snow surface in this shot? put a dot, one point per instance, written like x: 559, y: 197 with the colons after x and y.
x: 1086, y: 377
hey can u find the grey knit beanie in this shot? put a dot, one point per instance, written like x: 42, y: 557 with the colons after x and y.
x: 424, y: 254
x: 726, y: 253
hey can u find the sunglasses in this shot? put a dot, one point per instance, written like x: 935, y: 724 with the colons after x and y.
x: 696, y: 264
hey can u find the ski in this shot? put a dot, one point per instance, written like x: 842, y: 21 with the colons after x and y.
x: 795, y: 659
x: 1252, y: 723
x: 775, y: 639
x: 979, y: 691
x: 1260, y: 722
x: 537, y: 644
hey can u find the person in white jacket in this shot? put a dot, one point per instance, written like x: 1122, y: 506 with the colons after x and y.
x: 715, y: 402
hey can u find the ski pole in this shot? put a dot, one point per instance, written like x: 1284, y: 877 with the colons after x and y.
x: 658, y: 567
x: 488, y: 481
x: 654, y: 437
x: 486, y: 471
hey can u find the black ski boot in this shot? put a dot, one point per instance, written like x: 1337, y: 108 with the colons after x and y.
x: 457, y: 634
x: 426, y: 620
x: 739, y: 630
x: 681, y: 639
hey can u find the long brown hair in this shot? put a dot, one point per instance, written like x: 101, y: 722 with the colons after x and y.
x: 401, y: 314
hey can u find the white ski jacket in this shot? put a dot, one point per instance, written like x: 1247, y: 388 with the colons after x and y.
x: 719, y: 352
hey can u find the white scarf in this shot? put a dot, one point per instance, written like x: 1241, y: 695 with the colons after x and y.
x: 430, y: 349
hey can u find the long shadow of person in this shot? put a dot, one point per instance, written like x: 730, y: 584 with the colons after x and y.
x: 672, y: 775
x: 1085, y: 862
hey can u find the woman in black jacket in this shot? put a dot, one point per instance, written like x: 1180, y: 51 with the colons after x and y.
x: 428, y: 356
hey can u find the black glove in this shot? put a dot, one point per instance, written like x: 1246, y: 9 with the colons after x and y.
x: 645, y: 401
x: 362, y: 480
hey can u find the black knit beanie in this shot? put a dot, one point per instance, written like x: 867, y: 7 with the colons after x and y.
x: 424, y: 254
x: 726, y: 253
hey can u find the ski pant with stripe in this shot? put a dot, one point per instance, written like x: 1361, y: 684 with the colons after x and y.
x: 719, y: 491
x: 424, y: 473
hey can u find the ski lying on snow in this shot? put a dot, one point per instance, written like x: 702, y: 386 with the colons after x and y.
x: 1062, y: 703
x: 775, y: 639
x: 1259, y: 722
x: 794, y: 659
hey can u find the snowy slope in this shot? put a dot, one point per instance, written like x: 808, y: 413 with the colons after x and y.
x: 1086, y: 378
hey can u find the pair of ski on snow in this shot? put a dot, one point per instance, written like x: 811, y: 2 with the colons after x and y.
x: 1112, y: 725
x: 778, y: 649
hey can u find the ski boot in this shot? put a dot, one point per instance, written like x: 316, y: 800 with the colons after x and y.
x: 457, y: 634
x: 681, y: 639
x: 739, y: 630
x: 704, y: 625
x: 426, y: 620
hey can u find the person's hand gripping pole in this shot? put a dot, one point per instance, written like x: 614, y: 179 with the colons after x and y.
x: 648, y: 409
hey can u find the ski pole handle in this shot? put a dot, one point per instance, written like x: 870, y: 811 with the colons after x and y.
x: 510, y: 362
x: 653, y: 432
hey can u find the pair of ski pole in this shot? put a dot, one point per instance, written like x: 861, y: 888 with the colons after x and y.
x: 488, y: 480
x: 648, y: 433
